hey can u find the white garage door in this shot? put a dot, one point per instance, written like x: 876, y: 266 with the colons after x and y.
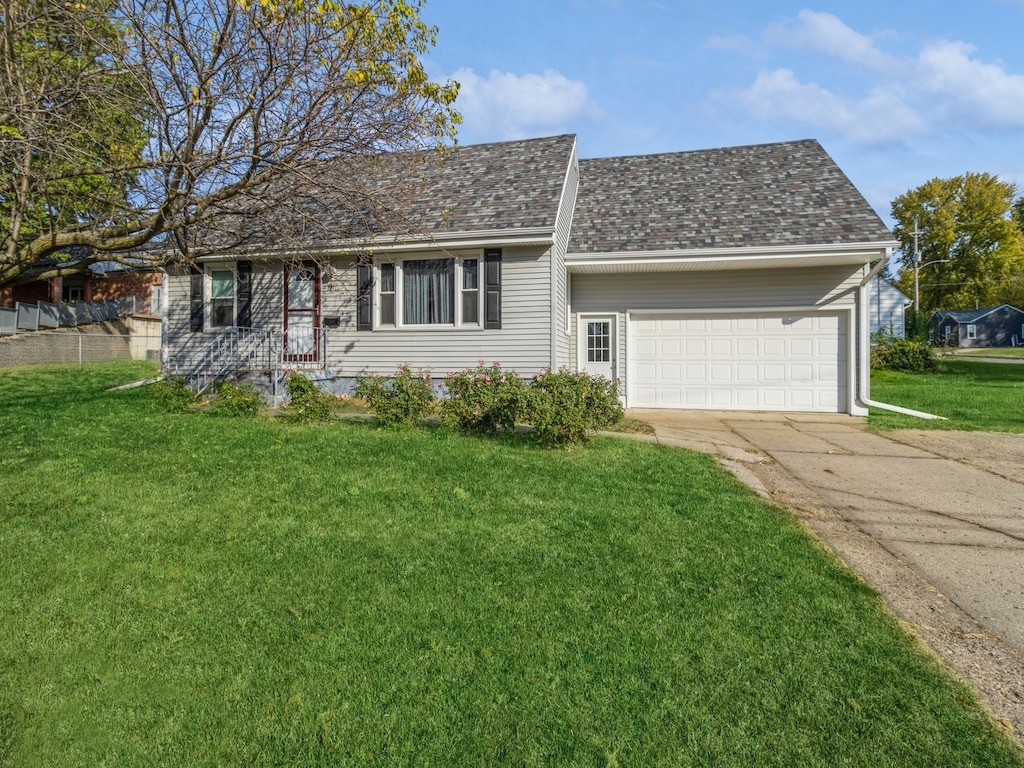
x: 763, y: 362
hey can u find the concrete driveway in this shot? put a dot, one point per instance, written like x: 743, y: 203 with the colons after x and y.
x: 934, y: 521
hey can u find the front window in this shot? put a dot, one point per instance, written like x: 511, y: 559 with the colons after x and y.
x: 429, y: 288
x: 426, y: 292
x: 222, y: 298
x: 972, y: 331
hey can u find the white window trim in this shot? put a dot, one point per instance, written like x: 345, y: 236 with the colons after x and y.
x: 972, y: 332
x: 212, y: 267
x: 400, y: 298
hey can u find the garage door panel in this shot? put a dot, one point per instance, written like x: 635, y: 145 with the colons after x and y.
x: 671, y: 372
x: 696, y: 373
x: 783, y: 361
x: 748, y: 373
x: 801, y: 347
x: 746, y: 347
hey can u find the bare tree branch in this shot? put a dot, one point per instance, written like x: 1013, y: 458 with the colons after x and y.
x: 199, y: 124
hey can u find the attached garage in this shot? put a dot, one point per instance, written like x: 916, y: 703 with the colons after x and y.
x: 777, y: 361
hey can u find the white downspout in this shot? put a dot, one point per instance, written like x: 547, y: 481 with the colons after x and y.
x: 864, y: 373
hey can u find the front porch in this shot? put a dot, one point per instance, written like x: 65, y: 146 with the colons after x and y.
x: 239, y: 352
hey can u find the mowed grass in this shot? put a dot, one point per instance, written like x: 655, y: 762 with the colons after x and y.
x: 1011, y: 352
x: 192, y: 590
x: 972, y: 395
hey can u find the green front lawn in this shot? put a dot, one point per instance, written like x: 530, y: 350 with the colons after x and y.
x: 972, y: 395
x: 1013, y: 352
x: 196, y: 590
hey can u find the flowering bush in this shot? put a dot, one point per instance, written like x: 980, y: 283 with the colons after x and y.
x: 403, y: 398
x: 566, y: 406
x: 485, y: 399
x: 307, y: 402
x: 231, y: 399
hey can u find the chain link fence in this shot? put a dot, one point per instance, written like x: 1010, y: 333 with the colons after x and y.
x: 70, y: 347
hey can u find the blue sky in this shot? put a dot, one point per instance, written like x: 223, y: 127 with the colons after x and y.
x: 898, y: 92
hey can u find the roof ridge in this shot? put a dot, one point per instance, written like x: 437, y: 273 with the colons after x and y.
x: 727, y: 148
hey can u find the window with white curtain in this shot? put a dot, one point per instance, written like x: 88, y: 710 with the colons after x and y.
x: 428, y: 288
x: 428, y: 292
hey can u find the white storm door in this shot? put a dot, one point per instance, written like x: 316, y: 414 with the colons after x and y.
x: 597, y: 345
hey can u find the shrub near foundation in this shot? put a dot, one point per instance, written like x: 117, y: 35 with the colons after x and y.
x: 566, y: 406
x: 404, y: 398
x: 307, y: 402
x: 231, y: 399
x: 485, y: 400
x: 175, y: 393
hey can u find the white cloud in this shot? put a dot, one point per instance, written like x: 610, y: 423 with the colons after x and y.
x: 826, y: 33
x: 942, y: 88
x: 967, y: 91
x: 878, y: 118
x: 509, y: 106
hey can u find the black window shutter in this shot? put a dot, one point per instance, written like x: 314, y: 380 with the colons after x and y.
x: 196, y: 299
x: 243, y: 289
x: 492, y: 288
x: 364, y: 295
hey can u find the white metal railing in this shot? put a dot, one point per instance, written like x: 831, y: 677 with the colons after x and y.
x: 236, y: 350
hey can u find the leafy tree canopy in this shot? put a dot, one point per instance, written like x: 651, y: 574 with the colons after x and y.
x: 971, y: 249
x: 128, y: 121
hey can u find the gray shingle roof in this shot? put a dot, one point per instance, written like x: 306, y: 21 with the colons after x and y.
x: 790, y: 193
x: 508, y: 185
x: 969, y: 315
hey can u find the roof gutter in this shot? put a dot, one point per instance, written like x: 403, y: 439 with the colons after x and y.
x: 864, y: 377
x: 543, y: 237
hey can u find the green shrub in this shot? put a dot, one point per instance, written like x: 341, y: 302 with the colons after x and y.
x: 403, y: 398
x: 231, y: 399
x: 565, y: 407
x: 890, y: 353
x: 307, y: 402
x: 174, y: 392
x: 485, y: 399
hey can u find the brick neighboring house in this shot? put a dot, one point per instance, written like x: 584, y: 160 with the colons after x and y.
x: 1001, y: 326
x: 104, y: 282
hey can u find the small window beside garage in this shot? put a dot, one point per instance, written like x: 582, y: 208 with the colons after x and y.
x: 599, y: 337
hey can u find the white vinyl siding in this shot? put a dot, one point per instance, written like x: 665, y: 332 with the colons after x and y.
x: 886, y: 307
x: 523, y: 343
x: 267, y: 307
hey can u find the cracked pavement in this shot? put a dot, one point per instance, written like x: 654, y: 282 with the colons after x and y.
x: 934, y: 521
